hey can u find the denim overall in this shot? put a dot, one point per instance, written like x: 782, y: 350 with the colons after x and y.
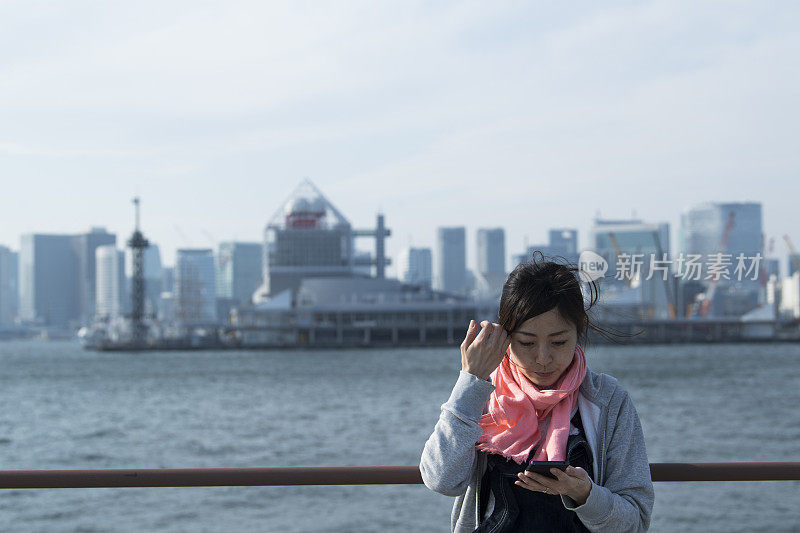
x: 519, y: 510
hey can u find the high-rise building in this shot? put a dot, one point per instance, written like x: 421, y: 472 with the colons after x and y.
x: 793, y: 261
x: 451, y: 260
x: 239, y: 270
x: 48, y: 274
x: 57, y: 280
x: 414, y: 266
x: 613, y: 238
x: 703, y: 227
x: 491, y: 251
x: 639, y: 268
x: 195, y: 286
x: 564, y: 243
x: 703, y: 233
x: 8, y: 286
x: 168, y: 279
x: 84, y: 246
x: 486, y: 283
x: 772, y: 267
x: 153, y: 278
x: 110, y: 282
x: 166, y: 302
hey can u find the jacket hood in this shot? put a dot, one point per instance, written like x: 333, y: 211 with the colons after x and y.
x: 598, y: 388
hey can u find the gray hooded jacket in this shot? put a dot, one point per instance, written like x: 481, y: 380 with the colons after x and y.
x: 621, y: 497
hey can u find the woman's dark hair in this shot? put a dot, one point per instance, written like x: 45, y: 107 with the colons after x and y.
x: 539, y: 285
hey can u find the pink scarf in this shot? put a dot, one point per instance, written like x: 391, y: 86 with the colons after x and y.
x: 518, y: 411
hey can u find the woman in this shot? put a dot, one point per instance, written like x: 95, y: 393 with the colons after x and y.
x: 525, y: 393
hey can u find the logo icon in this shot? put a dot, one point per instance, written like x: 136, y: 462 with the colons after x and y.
x: 591, y: 265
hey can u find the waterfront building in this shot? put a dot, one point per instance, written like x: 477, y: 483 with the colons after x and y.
x: 48, y: 273
x: 8, y: 286
x: 414, y: 267
x: 703, y: 228
x: 167, y: 279
x: 528, y: 255
x: 357, y: 311
x: 313, y: 294
x: 562, y: 246
x: 84, y: 246
x: 564, y: 241
x: 153, y: 279
x: 110, y: 282
x: 613, y: 238
x: 57, y: 279
x: 490, y: 276
x: 363, y: 262
x: 703, y: 232
x: 789, y: 305
x: 239, y: 270
x: 491, y: 249
x: 451, y: 260
x: 195, y: 286
x: 166, y: 306
x: 630, y: 247
x: 772, y: 267
x: 239, y: 267
x: 792, y: 262
x: 309, y: 237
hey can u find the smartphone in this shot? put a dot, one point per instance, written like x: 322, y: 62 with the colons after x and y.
x: 543, y: 467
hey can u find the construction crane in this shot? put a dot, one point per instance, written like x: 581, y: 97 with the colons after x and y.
x: 667, y: 278
x: 794, y: 257
x: 712, y: 286
x: 618, y: 252
x: 182, y: 235
x: 210, y: 238
x: 762, y: 270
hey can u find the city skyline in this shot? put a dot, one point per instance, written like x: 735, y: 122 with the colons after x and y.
x: 308, y: 238
x: 447, y: 115
x: 472, y: 245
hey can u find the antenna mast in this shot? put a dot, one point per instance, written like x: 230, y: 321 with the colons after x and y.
x: 137, y: 243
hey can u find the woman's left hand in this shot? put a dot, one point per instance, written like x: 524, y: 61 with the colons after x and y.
x: 573, y: 482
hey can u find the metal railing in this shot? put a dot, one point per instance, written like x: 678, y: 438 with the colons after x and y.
x: 343, y: 475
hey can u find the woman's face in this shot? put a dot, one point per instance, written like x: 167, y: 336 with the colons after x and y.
x: 542, y: 347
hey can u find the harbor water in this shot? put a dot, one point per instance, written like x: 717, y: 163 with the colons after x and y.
x: 65, y: 408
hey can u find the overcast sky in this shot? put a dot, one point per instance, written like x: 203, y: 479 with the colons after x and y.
x: 525, y: 115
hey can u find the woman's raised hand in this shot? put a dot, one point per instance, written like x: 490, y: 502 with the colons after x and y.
x: 482, y: 352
